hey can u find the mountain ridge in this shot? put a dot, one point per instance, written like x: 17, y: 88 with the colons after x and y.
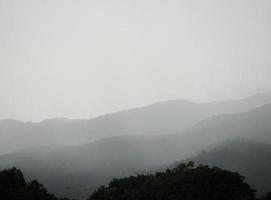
x: 168, y: 117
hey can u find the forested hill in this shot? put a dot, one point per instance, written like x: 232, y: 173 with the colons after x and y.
x: 246, y: 157
x: 13, y: 186
x: 185, y: 182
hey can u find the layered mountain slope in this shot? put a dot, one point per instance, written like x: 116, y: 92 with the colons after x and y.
x: 251, y: 159
x: 161, y: 118
x: 254, y: 125
x: 76, y: 171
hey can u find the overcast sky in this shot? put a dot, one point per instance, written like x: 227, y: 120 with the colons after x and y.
x: 83, y: 58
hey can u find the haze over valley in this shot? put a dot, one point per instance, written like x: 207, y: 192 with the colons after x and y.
x: 131, y: 143
x: 135, y: 100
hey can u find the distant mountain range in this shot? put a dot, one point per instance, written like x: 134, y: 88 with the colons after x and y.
x: 75, y: 171
x: 160, y: 118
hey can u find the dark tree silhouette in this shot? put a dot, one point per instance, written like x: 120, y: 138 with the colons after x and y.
x: 185, y: 182
x: 14, y: 187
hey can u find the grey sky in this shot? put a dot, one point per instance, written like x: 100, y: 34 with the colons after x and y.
x: 82, y: 58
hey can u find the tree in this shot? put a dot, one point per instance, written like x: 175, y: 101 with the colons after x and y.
x: 14, y: 187
x: 185, y: 182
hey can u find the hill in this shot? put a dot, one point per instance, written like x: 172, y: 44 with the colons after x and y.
x: 160, y: 118
x: 251, y: 159
x: 184, y: 182
x: 14, y: 187
x: 76, y: 171
x: 254, y: 125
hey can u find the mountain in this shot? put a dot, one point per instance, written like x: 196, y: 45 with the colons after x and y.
x: 160, y: 118
x: 16, y: 135
x: 254, y: 125
x: 76, y: 171
x: 249, y: 158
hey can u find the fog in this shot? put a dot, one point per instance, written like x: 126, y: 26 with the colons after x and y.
x: 96, y: 90
x: 81, y: 59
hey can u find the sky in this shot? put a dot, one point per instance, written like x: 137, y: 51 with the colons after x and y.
x: 85, y: 58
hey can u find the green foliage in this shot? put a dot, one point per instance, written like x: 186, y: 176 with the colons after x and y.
x: 14, y: 187
x: 185, y: 182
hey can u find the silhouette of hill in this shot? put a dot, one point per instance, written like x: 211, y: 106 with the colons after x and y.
x: 13, y: 186
x: 160, y: 118
x: 254, y: 125
x: 184, y: 182
x: 246, y: 157
x: 75, y: 171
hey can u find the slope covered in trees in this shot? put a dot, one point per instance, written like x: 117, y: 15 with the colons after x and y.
x: 184, y: 182
x: 249, y: 158
x: 14, y: 187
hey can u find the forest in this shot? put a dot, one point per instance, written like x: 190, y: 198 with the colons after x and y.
x: 184, y: 182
